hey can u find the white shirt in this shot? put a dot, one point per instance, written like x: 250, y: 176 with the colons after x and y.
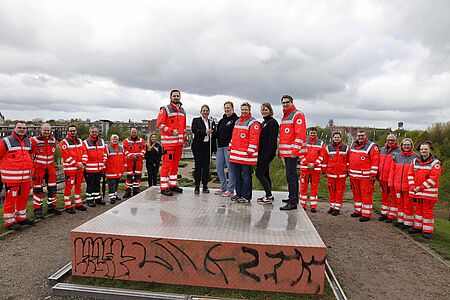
x: 206, y: 121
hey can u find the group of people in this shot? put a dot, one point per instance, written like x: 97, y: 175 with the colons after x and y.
x: 408, y: 181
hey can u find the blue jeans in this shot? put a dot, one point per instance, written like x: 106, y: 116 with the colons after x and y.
x: 243, y: 177
x: 222, y: 159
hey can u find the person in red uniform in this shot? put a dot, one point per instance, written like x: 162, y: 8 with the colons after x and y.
x: 15, y: 168
x: 424, y: 189
x: 74, y: 160
x: 95, y: 165
x: 364, y: 158
x: 310, y: 168
x: 115, y: 167
x: 334, y: 166
x: 43, y: 147
x: 291, y: 147
x: 398, y: 183
x: 134, y: 148
x: 172, y: 125
x: 387, y: 152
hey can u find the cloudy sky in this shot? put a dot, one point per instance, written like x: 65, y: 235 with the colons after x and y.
x: 370, y: 63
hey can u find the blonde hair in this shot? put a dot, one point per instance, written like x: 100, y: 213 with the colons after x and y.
x: 268, y: 106
x: 407, y: 140
x: 149, y: 141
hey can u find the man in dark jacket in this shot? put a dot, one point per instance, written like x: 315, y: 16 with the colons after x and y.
x: 223, y: 135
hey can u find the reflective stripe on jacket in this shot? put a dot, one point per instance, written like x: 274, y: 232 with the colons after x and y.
x: 15, y: 159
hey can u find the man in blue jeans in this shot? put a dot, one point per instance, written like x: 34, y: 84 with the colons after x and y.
x: 223, y: 136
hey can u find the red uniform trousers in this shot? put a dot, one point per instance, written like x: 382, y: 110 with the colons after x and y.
x: 40, y: 175
x: 405, y: 208
x: 15, y: 206
x: 73, y: 180
x: 388, y: 207
x: 424, y: 214
x: 305, y: 177
x: 169, y: 168
x: 134, y: 174
x: 336, y: 189
x: 362, y: 195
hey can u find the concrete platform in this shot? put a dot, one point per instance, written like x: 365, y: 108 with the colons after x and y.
x: 202, y: 240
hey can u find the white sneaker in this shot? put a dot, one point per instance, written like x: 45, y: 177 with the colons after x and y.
x: 243, y: 200
x: 266, y: 200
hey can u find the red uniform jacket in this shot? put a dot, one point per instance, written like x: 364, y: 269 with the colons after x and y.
x: 386, y: 160
x: 132, y: 147
x: 292, y: 133
x: 72, y: 152
x: 96, y: 154
x: 116, y: 163
x: 425, y: 175
x: 43, y: 151
x: 170, y: 118
x: 335, y: 160
x: 245, y: 141
x: 400, y: 168
x: 15, y: 159
x: 363, y: 159
x: 315, y: 149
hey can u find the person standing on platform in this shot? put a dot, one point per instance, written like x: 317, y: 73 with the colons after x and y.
x: 172, y: 124
x: 202, y: 147
x: 43, y: 147
x: 424, y: 189
x: 223, y: 136
x: 387, y: 152
x: 243, y: 148
x: 74, y: 160
x: 116, y: 165
x: 310, y: 169
x: 134, y: 148
x: 153, y: 159
x: 399, y: 185
x: 268, y: 140
x: 334, y: 166
x: 15, y: 168
x: 291, y: 147
x: 364, y: 159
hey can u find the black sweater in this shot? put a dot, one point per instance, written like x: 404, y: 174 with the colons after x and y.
x: 154, y: 155
x: 225, y: 130
x: 268, y: 139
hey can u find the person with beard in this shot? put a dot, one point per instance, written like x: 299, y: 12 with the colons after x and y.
x: 74, y: 160
x: 134, y: 148
x: 423, y: 181
x: 334, y: 167
x: 399, y: 185
x: 363, y: 162
x: 387, y: 152
x: 95, y: 165
x: 43, y: 147
x: 223, y: 136
x: 115, y: 167
x: 153, y: 156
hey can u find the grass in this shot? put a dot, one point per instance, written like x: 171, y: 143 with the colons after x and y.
x: 198, y: 291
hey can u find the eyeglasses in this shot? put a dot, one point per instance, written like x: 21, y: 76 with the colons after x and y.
x: 285, y: 102
x: 391, y: 140
x: 72, y: 131
x: 21, y: 127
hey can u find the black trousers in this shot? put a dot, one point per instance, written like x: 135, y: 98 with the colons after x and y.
x: 152, y: 173
x: 262, y: 173
x: 113, y: 185
x: 93, y: 186
x: 202, y: 161
x: 292, y: 178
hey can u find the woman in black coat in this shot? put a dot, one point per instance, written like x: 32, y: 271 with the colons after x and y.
x: 153, y: 156
x: 267, y: 151
x: 202, y: 148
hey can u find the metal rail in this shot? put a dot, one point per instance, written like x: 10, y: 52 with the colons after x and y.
x: 334, y: 283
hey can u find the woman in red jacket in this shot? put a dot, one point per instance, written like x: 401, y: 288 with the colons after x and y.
x: 424, y: 183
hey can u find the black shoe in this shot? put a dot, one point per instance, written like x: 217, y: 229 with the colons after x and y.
x: 398, y: 224
x: 289, y: 206
x: 285, y: 200
x: 127, y: 193
x: 53, y: 210
x: 313, y: 210
x: 176, y: 189
x: 112, y: 201
x: 405, y: 226
x: 197, y: 190
x: 382, y: 218
x: 389, y: 221
x: 335, y: 213
x: 100, y: 202
x: 427, y: 235
x: 235, y: 198
x: 364, y: 219
x: 166, y: 192
x: 355, y: 215
x: 70, y: 210
x: 14, y: 226
x: 330, y: 211
x: 414, y: 231
x: 136, y: 191
x: 26, y: 222
x: 205, y: 190
x: 118, y: 198
x: 81, y: 208
x: 38, y: 214
x: 91, y: 204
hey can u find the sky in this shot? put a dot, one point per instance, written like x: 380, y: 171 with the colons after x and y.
x: 360, y: 63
